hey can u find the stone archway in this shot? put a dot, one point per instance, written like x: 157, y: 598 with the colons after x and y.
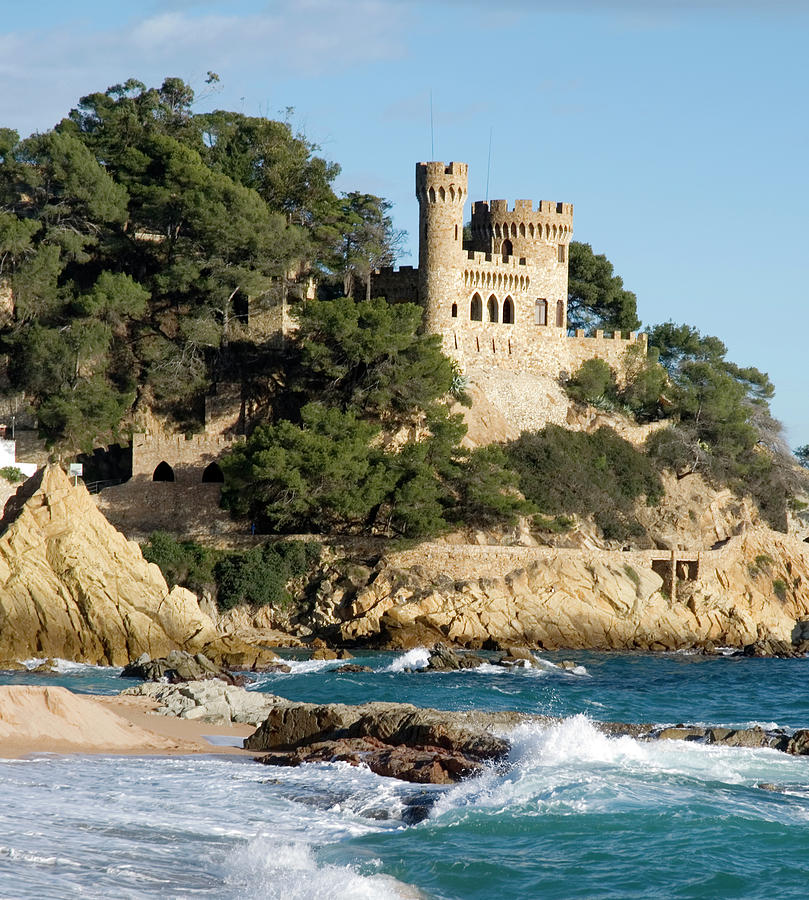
x: 213, y: 474
x: 163, y: 472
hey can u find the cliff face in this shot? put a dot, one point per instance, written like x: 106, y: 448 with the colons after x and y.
x: 756, y: 586
x: 72, y: 586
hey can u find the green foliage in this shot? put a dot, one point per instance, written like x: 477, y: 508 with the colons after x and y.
x: 370, y: 357
x: 802, y: 455
x: 593, y: 382
x: 779, y: 588
x: 596, y: 297
x: 322, y: 474
x: 12, y: 474
x: 724, y: 428
x: 259, y: 576
x: 182, y: 562
x: 140, y: 216
x: 567, y: 472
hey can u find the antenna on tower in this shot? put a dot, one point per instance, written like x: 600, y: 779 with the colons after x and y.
x: 432, y: 129
x: 489, y: 163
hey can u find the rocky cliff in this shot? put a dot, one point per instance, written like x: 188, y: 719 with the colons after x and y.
x: 754, y: 588
x: 72, y: 586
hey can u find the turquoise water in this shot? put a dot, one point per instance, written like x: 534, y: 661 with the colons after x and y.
x: 572, y: 814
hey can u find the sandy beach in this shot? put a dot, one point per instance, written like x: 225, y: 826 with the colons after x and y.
x: 50, y: 719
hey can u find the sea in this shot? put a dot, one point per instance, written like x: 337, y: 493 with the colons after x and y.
x: 571, y: 814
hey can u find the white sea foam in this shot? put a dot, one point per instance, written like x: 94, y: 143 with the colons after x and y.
x: 266, y: 869
x: 68, y: 667
x: 417, y: 658
x: 572, y: 768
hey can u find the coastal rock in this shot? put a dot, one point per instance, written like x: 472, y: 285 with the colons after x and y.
x: 295, y: 725
x: 211, y: 701
x: 748, y: 592
x: 71, y: 586
x: 443, y: 659
x: 177, y: 667
x: 352, y: 667
x: 419, y: 765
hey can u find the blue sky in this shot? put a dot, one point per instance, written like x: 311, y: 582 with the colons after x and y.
x: 678, y: 129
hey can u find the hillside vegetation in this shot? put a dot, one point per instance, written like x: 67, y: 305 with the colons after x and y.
x: 138, y: 237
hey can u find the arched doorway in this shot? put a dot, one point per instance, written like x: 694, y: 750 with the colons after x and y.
x: 476, y: 309
x: 213, y: 474
x: 507, y: 249
x: 163, y: 472
x: 508, y: 311
x: 493, y: 309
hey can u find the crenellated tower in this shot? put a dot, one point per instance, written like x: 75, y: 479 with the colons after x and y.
x: 441, y: 191
x: 498, y: 300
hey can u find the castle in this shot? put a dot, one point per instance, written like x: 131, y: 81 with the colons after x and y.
x: 499, y: 298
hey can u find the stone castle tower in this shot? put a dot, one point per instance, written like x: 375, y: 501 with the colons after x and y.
x: 499, y: 299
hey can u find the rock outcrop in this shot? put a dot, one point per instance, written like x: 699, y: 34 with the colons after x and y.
x: 211, y: 701
x: 754, y: 588
x: 72, y: 586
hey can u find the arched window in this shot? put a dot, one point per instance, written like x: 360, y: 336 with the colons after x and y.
x: 493, y: 310
x: 522, y: 229
x: 432, y: 195
x: 541, y: 312
x: 508, y: 311
x: 560, y: 313
x: 163, y: 472
x: 507, y: 249
x: 454, y: 310
x: 213, y: 474
x: 514, y: 229
x: 476, y: 309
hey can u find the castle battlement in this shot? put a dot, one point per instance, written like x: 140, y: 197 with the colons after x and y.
x: 546, y: 207
x: 183, y: 442
x: 498, y: 301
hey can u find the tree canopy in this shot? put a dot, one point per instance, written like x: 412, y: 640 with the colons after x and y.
x: 129, y: 232
x: 596, y: 297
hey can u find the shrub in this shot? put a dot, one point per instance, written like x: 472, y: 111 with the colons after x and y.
x: 593, y: 382
x: 259, y: 576
x: 779, y: 589
x: 12, y: 474
x: 182, y: 562
x: 569, y: 472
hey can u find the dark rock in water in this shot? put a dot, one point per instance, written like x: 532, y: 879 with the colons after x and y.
x: 772, y: 647
x: 442, y: 659
x: 420, y: 765
x: 393, y: 739
x: 353, y: 667
x: 179, y: 666
x: 417, y: 808
x: 44, y: 668
x: 344, y: 654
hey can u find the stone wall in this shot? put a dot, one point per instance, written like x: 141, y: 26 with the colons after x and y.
x: 462, y: 562
x: 188, y: 457
x: 141, y: 506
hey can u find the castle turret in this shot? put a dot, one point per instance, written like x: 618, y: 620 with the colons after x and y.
x: 441, y: 192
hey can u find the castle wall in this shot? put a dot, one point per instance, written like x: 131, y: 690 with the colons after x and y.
x: 396, y: 285
x: 188, y: 457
